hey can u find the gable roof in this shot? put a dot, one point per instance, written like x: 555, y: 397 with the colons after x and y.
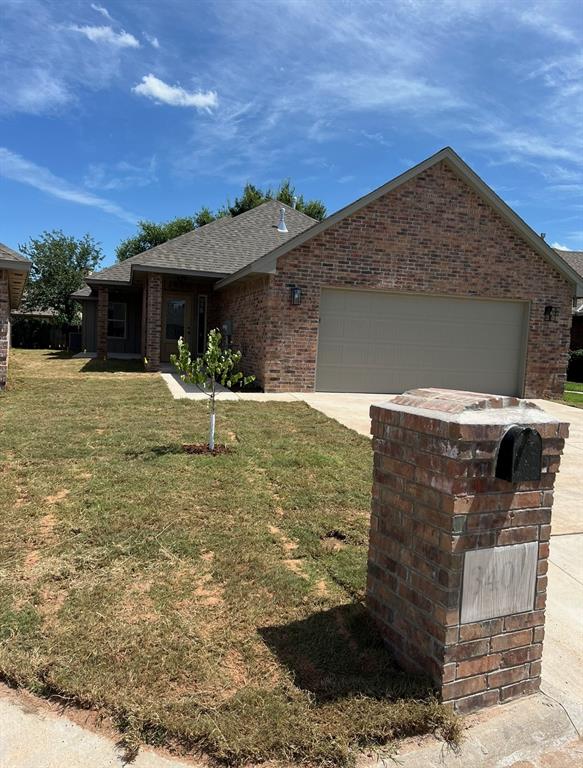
x: 17, y: 267
x: 214, y: 250
x: 574, y: 259
x: 267, y: 263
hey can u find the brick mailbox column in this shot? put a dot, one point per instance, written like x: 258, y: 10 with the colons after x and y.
x: 458, y: 557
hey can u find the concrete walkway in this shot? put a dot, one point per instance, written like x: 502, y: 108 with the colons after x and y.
x: 34, y: 734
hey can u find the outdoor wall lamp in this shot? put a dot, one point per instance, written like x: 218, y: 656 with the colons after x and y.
x: 295, y: 295
x: 551, y: 313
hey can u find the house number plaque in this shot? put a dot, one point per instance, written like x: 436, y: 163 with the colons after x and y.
x: 498, y: 581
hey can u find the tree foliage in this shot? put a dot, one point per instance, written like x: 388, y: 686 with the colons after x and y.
x: 217, y: 365
x: 151, y: 234
x: 60, y: 264
x: 253, y: 196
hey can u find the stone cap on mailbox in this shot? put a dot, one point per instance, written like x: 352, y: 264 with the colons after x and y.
x: 461, y: 407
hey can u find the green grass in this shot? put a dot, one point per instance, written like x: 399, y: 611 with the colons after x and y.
x: 193, y: 599
x: 572, y: 397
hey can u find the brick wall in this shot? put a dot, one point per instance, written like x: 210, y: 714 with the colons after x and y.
x: 433, y: 234
x: 435, y: 497
x: 4, y: 328
x: 247, y: 306
x: 102, y: 306
x: 153, y: 320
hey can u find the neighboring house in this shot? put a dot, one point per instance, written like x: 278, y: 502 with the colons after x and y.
x: 14, y: 269
x: 575, y: 260
x: 430, y: 280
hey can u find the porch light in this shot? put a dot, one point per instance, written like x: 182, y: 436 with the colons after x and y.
x: 295, y: 295
x: 551, y: 313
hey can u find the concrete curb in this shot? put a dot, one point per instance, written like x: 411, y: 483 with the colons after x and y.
x: 513, y: 734
x: 33, y: 736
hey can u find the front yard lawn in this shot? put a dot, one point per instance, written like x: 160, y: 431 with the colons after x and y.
x: 573, y: 394
x: 212, y: 604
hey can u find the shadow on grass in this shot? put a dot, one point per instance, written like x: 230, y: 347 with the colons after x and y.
x: 59, y: 354
x: 339, y: 653
x: 155, y: 452
x: 93, y: 365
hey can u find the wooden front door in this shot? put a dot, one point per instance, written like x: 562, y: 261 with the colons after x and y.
x: 176, y: 322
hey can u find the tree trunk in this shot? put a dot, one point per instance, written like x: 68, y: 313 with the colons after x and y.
x: 212, y: 425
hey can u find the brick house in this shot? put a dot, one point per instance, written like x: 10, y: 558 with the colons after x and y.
x: 14, y: 269
x: 430, y: 280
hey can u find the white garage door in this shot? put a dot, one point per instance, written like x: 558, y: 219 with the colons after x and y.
x: 370, y: 341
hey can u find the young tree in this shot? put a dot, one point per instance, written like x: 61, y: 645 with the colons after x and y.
x: 60, y: 264
x: 216, y: 365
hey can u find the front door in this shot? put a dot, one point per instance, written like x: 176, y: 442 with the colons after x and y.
x: 176, y: 323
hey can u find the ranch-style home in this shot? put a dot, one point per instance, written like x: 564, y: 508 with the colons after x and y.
x: 430, y: 280
x: 14, y: 269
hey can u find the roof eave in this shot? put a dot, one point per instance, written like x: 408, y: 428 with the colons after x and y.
x: 16, y: 283
x: 177, y: 271
x: 15, y: 266
x: 96, y: 282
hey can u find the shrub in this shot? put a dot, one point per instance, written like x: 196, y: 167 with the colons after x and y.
x: 575, y: 368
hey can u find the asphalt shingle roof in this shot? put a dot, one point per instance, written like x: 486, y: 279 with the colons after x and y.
x: 221, y: 247
x: 82, y: 293
x: 573, y: 258
x: 7, y: 254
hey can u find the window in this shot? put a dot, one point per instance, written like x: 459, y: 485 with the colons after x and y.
x: 201, y: 325
x: 116, y: 319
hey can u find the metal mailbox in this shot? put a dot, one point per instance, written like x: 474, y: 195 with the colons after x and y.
x: 520, y: 455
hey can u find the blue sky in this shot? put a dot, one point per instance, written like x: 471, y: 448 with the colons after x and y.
x: 125, y: 109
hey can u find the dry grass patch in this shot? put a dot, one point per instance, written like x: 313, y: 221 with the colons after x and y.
x: 193, y: 599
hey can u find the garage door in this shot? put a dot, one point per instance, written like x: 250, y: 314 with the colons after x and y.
x: 370, y: 341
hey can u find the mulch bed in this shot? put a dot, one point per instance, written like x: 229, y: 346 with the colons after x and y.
x: 203, y: 448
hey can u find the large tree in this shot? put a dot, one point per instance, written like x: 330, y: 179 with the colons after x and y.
x: 60, y: 264
x: 150, y: 234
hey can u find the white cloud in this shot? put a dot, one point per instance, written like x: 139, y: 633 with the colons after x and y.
x: 377, y: 91
x: 107, y: 35
x: 153, y: 88
x: 531, y: 145
x: 121, y: 175
x: 37, y: 91
x: 54, y: 69
x: 18, y: 168
x: 560, y: 247
x: 545, y: 25
x: 103, y: 11
x: 154, y: 42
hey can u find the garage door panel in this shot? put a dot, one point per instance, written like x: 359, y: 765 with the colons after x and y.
x: 382, y: 342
